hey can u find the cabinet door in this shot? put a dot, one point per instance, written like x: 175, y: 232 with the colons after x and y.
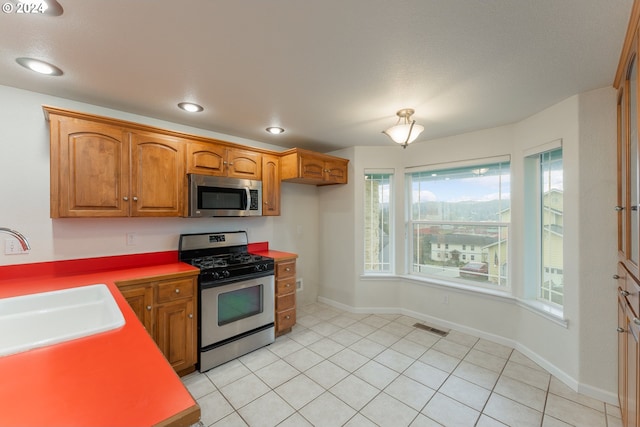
x: 311, y: 167
x: 270, y: 185
x: 89, y: 169
x: 206, y: 159
x: 175, y: 333
x: 631, y: 378
x: 140, y: 298
x: 157, y: 175
x: 244, y: 164
x: 336, y: 172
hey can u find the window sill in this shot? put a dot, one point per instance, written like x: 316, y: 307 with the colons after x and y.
x: 548, y: 312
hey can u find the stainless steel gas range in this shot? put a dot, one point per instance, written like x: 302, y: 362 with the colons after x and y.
x: 236, y: 296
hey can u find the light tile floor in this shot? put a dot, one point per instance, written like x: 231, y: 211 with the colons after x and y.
x: 342, y: 369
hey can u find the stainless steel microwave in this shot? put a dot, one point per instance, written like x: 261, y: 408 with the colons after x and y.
x: 221, y: 196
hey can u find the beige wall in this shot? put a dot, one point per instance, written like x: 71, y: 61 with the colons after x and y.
x: 24, y: 200
x: 582, y: 353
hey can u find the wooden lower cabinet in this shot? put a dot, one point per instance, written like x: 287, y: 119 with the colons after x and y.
x: 628, y: 349
x: 166, y: 306
x: 285, y: 295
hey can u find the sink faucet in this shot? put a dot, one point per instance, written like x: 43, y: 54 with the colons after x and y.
x: 23, y: 240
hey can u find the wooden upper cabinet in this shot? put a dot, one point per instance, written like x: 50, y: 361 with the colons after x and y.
x: 219, y: 160
x: 206, y: 159
x: 157, y: 172
x: 308, y: 167
x: 245, y: 164
x: 270, y: 185
x: 106, y: 170
x: 89, y: 168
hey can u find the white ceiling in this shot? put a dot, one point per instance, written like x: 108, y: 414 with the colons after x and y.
x: 333, y: 73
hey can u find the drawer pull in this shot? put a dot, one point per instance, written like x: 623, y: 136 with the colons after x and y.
x: 287, y: 269
x: 620, y: 330
x: 148, y: 308
x: 287, y: 317
x: 624, y: 293
x: 288, y: 285
x: 177, y: 291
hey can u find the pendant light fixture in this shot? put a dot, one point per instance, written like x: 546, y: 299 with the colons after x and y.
x: 405, y: 131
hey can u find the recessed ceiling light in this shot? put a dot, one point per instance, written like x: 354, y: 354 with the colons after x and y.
x: 39, y: 66
x: 275, y: 130
x: 190, y: 107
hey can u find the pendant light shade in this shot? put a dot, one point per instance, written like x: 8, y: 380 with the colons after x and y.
x: 405, y: 131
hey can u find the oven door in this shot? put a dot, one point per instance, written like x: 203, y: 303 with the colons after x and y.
x: 235, y: 308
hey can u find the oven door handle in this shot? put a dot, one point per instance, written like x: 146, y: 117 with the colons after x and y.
x: 248, y: 196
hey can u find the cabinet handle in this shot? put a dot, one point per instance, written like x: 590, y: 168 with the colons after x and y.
x: 135, y: 199
x: 190, y: 315
x: 125, y: 198
x: 620, y: 330
x: 634, y: 207
x: 177, y: 291
x: 636, y: 321
x: 615, y: 276
x: 148, y: 308
x: 624, y: 293
x: 619, y: 208
x: 287, y: 317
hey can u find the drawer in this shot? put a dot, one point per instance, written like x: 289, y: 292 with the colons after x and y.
x: 175, y: 289
x: 629, y: 288
x: 285, y: 319
x: 286, y: 269
x: 286, y: 302
x: 286, y: 285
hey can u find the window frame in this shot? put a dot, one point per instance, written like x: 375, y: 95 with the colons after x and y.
x: 390, y: 173
x: 533, y: 217
x: 410, y: 222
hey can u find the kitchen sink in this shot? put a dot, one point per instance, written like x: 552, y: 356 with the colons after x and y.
x: 47, y: 318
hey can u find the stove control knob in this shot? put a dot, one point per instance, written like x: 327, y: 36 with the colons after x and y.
x: 215, y: 275
x: 225, y: 273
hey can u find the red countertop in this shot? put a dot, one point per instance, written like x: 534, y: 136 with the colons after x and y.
x: 115, y: 378
x: 262, y: 248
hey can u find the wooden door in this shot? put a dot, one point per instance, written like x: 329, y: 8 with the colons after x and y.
x: 89, y: 169
x: 311, y: 167
x: 206, y: 159
x: 175, y: 333
x: 244, y: 164
x: 270, y: 185
x: 335, y: 172
x: 157, y: 175
x: 140, y: 298
x: 632, y: 332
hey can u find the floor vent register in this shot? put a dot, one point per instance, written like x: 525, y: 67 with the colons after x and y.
x: 431, y: 329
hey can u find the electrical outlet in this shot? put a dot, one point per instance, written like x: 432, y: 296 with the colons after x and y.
x: 131, y: 239
x: 12, y: 247
x: 298, y: 285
